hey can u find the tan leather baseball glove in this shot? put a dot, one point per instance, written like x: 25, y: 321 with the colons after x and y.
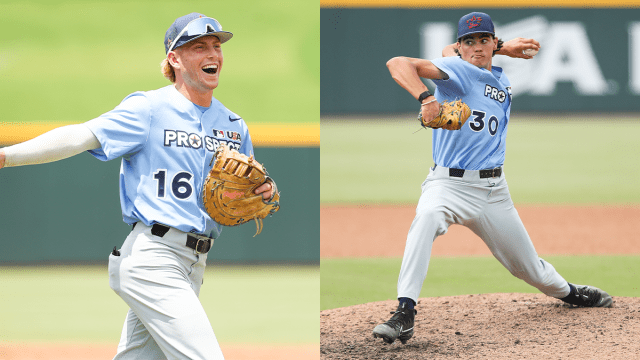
x: 228, y: 195
x: 452, y: 116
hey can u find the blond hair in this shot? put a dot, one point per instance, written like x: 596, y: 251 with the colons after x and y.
x: 168, y: 71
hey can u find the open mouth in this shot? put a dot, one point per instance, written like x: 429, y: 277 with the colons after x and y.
x: 210, y: 69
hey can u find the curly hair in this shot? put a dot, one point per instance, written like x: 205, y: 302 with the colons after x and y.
x: 167, y: 70
x: 500, y: 43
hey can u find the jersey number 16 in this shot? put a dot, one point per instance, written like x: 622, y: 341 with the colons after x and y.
x: 181, y: 187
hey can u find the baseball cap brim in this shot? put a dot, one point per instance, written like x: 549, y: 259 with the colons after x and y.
x: 476, y: 32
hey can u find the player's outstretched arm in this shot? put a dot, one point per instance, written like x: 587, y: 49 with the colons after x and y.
x: 54, y: 145
x: 514, y: 48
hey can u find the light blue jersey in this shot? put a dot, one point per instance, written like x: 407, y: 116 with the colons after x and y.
x: 166, y: 143
x: 481, y: 143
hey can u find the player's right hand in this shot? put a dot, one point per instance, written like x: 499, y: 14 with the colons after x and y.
x: 514, y: 47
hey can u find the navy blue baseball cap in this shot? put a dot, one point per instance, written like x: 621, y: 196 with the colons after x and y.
x: 190, y: 27
x: 475, y: 22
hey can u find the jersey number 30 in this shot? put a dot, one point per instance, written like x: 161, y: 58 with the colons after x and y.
x: 181, y: 187
x: 477, y: 123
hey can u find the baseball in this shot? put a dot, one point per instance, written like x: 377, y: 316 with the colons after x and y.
x: 530, y: 52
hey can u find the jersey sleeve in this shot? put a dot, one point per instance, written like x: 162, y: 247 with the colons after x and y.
x: 459, y: 80
x: 124, y: 130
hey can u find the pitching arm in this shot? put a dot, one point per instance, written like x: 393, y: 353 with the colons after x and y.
x: 514, y: 47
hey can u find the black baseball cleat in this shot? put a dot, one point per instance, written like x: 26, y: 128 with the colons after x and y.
x: 400, y: 326
x: 588, y: 296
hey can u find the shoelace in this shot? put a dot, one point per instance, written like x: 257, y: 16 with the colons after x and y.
x: 588, y: 296
x: 396, y: 319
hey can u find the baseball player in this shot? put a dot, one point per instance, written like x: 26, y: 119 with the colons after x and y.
x: 467, y: 184
x: 166, y: 139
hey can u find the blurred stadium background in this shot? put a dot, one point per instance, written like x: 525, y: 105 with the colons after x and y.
x: 589, y: 61
x: 66, y: 62
x: 573, y: 133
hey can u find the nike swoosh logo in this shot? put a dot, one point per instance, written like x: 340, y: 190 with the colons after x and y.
x: 232, y: 119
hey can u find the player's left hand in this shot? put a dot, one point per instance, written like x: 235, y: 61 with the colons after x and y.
x: 265, y: 189
x: 514, y: 48
x: 2, y: 157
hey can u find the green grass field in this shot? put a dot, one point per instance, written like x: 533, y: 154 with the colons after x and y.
x: 548, y: 161
x: 75, y: 304
x: 346, y: 282
x: 70, y: 61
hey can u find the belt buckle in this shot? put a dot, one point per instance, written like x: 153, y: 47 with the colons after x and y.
x: 494, y: 172
x: 198, y: 242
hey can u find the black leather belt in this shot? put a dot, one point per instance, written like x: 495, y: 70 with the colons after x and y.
x: 488, y: 173
x: 201, y: 244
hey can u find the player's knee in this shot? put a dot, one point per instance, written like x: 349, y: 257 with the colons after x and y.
x: 520, y: 273
x: 535, y: 275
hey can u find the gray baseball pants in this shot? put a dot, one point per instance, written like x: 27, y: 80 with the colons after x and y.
x: 485, y: 207
x: 160, y: 278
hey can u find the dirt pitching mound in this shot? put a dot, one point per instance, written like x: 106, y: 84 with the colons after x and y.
x: 489, y: 326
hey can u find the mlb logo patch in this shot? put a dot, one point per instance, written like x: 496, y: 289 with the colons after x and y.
x: 218, y: 133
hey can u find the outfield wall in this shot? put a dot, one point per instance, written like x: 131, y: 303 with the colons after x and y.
x: 589, y: 60
x: 69, y: 211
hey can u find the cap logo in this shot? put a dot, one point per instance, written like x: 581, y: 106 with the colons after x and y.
x: 210, y: 28
x: 474, y: 22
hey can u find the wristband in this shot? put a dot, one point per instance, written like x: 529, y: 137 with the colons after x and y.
x: 423, y: 96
